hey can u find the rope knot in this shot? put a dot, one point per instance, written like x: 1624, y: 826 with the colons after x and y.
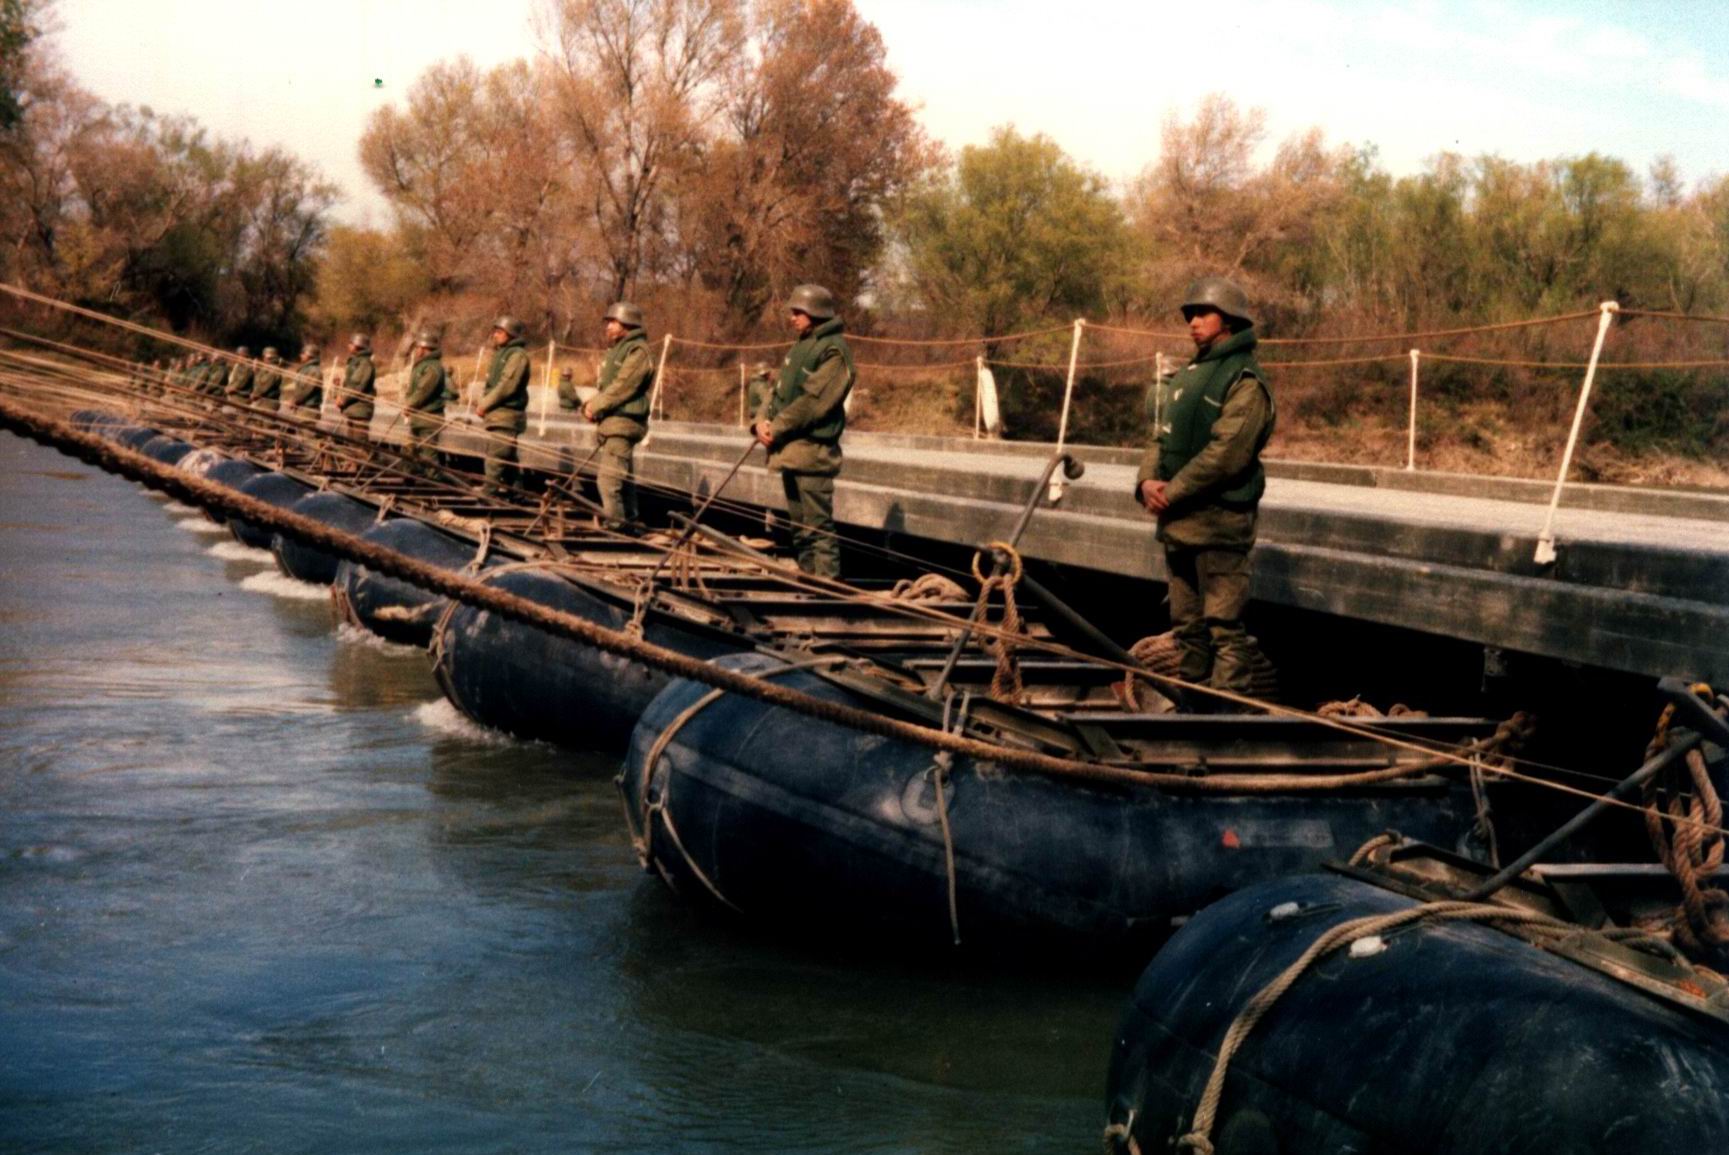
x: 1006, y: 685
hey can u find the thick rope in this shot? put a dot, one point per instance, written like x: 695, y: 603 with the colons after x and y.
x: 1006, y: 685
x: 1693, y: 850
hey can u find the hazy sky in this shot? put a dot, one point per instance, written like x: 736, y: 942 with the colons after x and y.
x: 1631, y: 78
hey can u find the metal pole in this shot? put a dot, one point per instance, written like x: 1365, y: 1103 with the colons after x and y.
x: 741, y: 392
x: 1546, y: 540
x: 546, y: 387
x: 1158, y: 392
x: 1057, y: 483
x: 474, y: 385
x: 1411, y: 437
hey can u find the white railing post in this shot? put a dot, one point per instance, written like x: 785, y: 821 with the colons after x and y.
x: 1546, y: 540
x: 474, y: 389
x: 1411, y: 435
x: 978, y: 397
x: 1058, y: 484
x: 1158, y: 393
x: 741, y: 391
x: 656, y: 403
x: 546, y: 386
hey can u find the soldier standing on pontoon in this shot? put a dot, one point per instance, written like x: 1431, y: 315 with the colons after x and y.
x: 267, y: 383
x: 801, y: 425
x: 620, y: 411
x: 359, y: 386
x: 504, y: 406
x: 240, y: 377
x: 1202, y: 478
x: 427, y: 381
x: 305, y: 390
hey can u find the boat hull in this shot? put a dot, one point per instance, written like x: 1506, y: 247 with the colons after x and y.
x: 527, y: 682
x: 392, y: 608
x: 791, y: 819
x: 1456, y: 1038
x: 308, y: 563
x: 276, y: 489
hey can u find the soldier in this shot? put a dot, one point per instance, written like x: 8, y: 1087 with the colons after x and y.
x: 192, y: 381
x: 801, y: 424
x: 567, y: 398
x: 620, y: 411
x: 1202, y: 478
x: 267, y: 384
x: 354, y: 400
x: 504, y: 406
x: 427, y: 381
x: 305, y: 390
x: 758, y: 387
x: 240, y: 377
x: 215, y: 376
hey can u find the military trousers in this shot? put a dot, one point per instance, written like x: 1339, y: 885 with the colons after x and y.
x: 810, y: 510
x: 1209, y: 590
x: 616, y: 479
x: 503, y: 426
x: 422, y: 440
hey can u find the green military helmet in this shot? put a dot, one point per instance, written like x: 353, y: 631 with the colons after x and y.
x: 511, y: 326
x: 242, y: 351
x: 813, y: 301
x: 565, y: 374
x: 361, y: 343
x: 427, y: 340
x: 270, y: 353
x: 308, y: 352
x: 625, y: 313
x: 1217, y: 293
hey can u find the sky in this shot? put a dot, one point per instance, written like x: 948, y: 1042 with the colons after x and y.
x: 1632, y: 79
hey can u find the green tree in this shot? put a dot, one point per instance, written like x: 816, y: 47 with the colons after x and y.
x: 1015, y: 233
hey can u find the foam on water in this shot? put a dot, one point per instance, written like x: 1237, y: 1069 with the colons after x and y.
x: 443, y: 718
x: 277, y: 585
x: 201, y: 524
x: 355, y: 635
x: 180, y: 507
x: 234, y: 551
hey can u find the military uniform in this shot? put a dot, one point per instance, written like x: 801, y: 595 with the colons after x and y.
x: 267, y: 383
x: 504, y: 408
x: 305, y: 390
x: 359, y: 388
x: 216, y: 378
x: 620, y: 412
x: 807, y: 415
x: 427, y: 382
x: 1217, y: 421
x: 240, y: 377
x: 567, y: 395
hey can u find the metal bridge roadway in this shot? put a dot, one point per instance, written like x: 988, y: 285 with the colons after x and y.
x: 1641, y: 582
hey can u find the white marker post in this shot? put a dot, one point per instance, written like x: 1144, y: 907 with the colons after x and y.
x: 1411, y: 435
x: 1058, y: 484
x: 1546, y: 540
x: 546, y: 387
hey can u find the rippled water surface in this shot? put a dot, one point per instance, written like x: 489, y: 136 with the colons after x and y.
x: 262, y: 890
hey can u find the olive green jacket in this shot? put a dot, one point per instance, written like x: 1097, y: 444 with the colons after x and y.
x: 626, y: 383
x: 807, y: 410
x: 306, y: 390
x: 358, y: 388
x: 506, y: 381
x: 426, y: 383
x: 1199, y: 515
x: 240, y: 378
x: 267, y: 384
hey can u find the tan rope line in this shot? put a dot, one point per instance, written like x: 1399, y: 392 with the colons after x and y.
x: 1460, y: 331
x: 1706, y: 364
x: 1672, y: 316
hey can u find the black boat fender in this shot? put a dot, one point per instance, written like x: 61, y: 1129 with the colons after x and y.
x: 392, y: 608
x: 279, y: 490
x: 526, y: 682
x: 339, y: 511
x: 1440, y: 1036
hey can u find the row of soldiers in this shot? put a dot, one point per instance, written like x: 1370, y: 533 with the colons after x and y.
x: 799, y: 422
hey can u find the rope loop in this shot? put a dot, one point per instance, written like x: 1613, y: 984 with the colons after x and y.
x: 1006, y: 684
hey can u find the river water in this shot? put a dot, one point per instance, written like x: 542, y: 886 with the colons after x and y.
x: 262, y: 890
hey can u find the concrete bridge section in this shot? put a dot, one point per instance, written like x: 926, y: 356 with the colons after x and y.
x: 1641, y: 583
